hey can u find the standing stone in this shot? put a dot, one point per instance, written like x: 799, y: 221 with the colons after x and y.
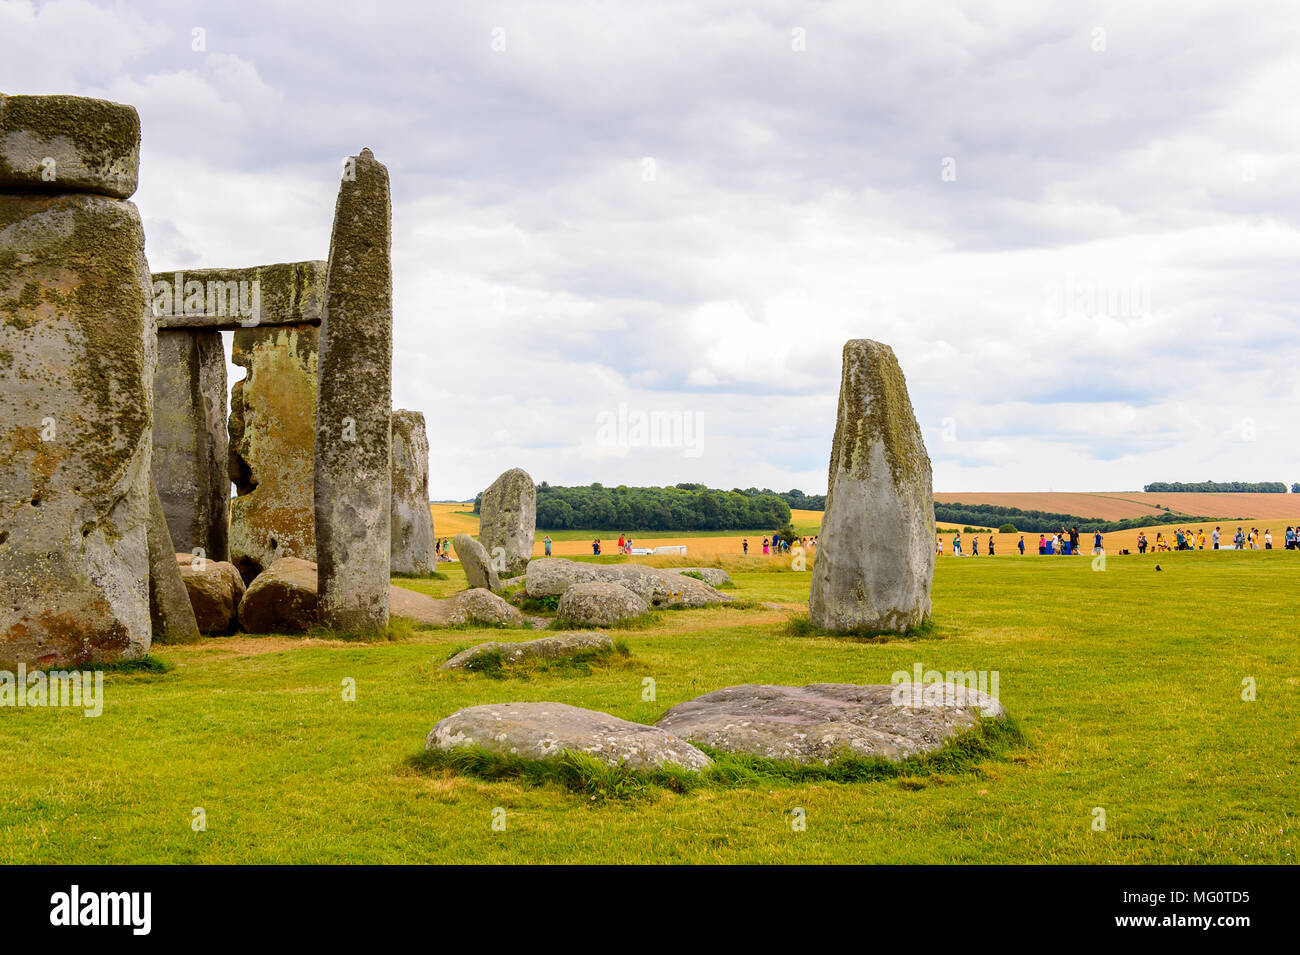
x: 272, y: 435
x: 473, y: 557
x: 189, y: 440
x: 875, y: 550
x: 508, y: 521
x: 76, y: 376
x: 354, y: 405
x: 412, y: 521
x: 170, y: 611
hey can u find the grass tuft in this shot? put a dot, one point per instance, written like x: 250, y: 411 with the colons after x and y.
x: 801, y: 626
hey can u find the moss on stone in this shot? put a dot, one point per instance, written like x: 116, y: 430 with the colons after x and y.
x: 874, y: 404
x: 102, y: 131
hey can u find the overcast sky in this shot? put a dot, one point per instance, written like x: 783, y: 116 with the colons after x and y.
x: 1075, y: 223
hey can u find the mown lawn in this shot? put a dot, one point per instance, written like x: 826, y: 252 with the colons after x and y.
x: 1127, y: 682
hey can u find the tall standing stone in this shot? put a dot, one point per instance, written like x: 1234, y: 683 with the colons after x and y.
x: 412, y: 522
x: 189, y: 440
x: 508, y: 521
x: 272, y: 440
x: 76, y: 380
x: 354, y: 405
x: 170, y: 610
x: 875, y: 549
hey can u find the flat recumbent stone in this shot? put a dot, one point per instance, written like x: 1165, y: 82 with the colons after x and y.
x: 62, y: 144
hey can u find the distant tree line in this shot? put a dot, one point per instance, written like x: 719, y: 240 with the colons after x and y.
x: 1035, y: 522
x: 684, y: 507
x: 1227, y: 487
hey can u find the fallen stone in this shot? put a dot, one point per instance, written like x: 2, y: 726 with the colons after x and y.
x: 544, y: 648
x: 477, y: 606
x: 282, y: 598
x: 68, y: 144
x: 412, y: 522
x: 551, y: 576
x: 598, y: 604
x: 713, y: 576
x: 272, y: 446
x: 354, y: 405
x: 548, y: 730
x: 875, y: 549
x: 76, y: 362
x: 215, y: 590
x: 823, y: 721
x: 170, y: 614
x: 474, y: 559
x: 189, y: 441
x: 508, y: 521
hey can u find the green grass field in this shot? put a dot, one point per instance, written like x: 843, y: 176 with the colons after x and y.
x: 1127, y: 683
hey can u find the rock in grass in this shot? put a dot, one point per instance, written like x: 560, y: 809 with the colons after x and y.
x: 713, y: 576
x: 215, y: 590
x: 68, y: 144
x: 547, y: 730
x: 467, y: 607
x: 508, y: 521
x: 473, y: 557
x: 875, y: 550
x: 597, y: 604
x: 552, y: 576
x: 546, y: 648
x: 281, y: 599
x: 822, y: 721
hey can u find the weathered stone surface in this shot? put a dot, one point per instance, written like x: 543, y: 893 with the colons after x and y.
x: 822, y: 721
x: 567, y: 644
x: 189, y: 440
x: 548, y: 576
x: 875, y: 550
x: 354, y: 405
x: 598, y: 604
x: 67, y: 144
x: 469, y: 606
x: 713, y: 576
x: 474, y: 559
x: 288, y: 293
x: 547, y: 730
x: 215, y: 590
x: 76, y: 361
x: 272, y: 437
x: 508, y: 521
x: 170, y: 613
x: 412, y: 522
x: 282, y: 599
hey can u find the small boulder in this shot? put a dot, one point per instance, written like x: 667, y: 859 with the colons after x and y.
x: 281, y: 599
x: 215, y: 590
x: 547, y: 730
x: 567, y: 644
x: 473, y: 556
x: 469, y: 606
x: 822, y: 721
x: 713, y: 576
x: 597, y: 604
x: 551, y: 576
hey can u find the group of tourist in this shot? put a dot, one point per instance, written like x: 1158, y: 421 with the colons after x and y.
x: 1242, y: 539
x: 777, y: 544
x: 1063, y: 542
x: 442, y: 548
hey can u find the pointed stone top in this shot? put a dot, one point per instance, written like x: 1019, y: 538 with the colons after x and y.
x: 367, y: 154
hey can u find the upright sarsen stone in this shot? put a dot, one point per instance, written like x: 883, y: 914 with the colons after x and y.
x: 354, y: 404
x: 875, y: 550
x: 76, y: 374
x: 508, y: 521
x: 412, y: 522
x: 272, y: 437
x: 189, y: 440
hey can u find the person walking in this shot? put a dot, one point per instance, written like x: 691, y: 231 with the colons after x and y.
x: 991, y: 545
x: 546, y: 545
x: 1042, y: 544
x: 744, y: 545
x: 765, y: 550
x: 1290, y: 538
x: 975, y: 545
x: 1142, y: 542
x: 1268, y: 539
x: 1022, y: 545
x: 1214, y: 539
x: 956, y: 545
x: 1096, y: 542
x: 940, y: 542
